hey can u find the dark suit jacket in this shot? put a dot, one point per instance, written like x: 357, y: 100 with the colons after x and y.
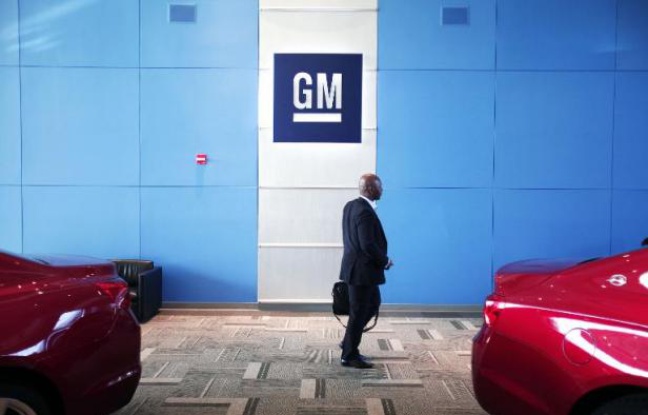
x: 365, y: 245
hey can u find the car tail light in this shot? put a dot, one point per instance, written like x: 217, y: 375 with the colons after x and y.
x: 117, y: 291
x: 493, y: 309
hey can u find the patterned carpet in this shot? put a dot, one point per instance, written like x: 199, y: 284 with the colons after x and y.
x: 253, y: 363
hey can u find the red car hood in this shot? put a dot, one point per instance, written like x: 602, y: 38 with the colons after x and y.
x: 522, y: 275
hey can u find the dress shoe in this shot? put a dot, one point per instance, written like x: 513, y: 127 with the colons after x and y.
x: 357, y: 363
x: 361, y: 356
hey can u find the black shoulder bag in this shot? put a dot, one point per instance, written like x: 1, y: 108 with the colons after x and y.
x: 340, y: 294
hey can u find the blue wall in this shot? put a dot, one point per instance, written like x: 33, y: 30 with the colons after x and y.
x: 103, y: 106
x: 523, y: 134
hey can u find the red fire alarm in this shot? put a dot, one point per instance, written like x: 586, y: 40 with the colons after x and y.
x: 201, y: 159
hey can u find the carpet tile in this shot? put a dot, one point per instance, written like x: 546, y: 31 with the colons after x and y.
x: 251, y: 363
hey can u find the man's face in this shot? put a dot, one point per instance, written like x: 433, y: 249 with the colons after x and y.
x: 376, y: 190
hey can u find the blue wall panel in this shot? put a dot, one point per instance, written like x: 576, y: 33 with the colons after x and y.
x: 554, y: 130
x: 632, y: 34
x: 629, y: 219
x: 439, y: 240
x: 206, y: 240
x: 81, y: 126
x: 190, y: 111
x: 436, y: 128
x: 550, y: 223
x: 10, y: 219
x: 563, y: 108
x: 631, y: 131
x: 224, y: 35
x: 79, y: 33
x: 411, y: 35
x: 9, y: 32
x: 9, y: 125
x: 556, y: 34
x: 98, y: 221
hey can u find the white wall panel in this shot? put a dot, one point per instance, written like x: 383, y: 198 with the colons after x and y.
x: 315, y: 164
x: 302, y: 216
x: 298, y: 274
x: 309, y: 27
x: 319, y: 4
x: 369, y: 101
x: 318, y: 32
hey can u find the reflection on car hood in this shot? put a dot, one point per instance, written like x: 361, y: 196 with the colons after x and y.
x: 540, y: 266
x: 67, y: 260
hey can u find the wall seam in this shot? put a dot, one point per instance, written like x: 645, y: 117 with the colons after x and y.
x: 492, y: 270
x: 258, y: 157
x: 504, y: 70
x: 614, y: 93
x: 20, y: 109
x: 139, y: 123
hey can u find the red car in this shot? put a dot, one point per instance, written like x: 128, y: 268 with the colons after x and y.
x: 70, y: 345
x: 565, y: 337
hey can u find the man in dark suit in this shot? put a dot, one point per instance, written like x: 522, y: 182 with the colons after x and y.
x: 363, y: 265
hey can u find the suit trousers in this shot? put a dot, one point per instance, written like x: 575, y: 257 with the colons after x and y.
x: 364, y: 303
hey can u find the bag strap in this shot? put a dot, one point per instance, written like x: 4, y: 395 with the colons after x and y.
x: 366, y: 329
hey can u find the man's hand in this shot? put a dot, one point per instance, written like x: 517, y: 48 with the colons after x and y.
x: 389, y: 264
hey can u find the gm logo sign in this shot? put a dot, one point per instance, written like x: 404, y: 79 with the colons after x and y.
x: 318, y: 98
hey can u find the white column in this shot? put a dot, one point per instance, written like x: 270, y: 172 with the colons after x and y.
x: 304, y: 186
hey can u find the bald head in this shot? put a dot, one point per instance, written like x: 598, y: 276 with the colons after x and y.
x: 370, y: 186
